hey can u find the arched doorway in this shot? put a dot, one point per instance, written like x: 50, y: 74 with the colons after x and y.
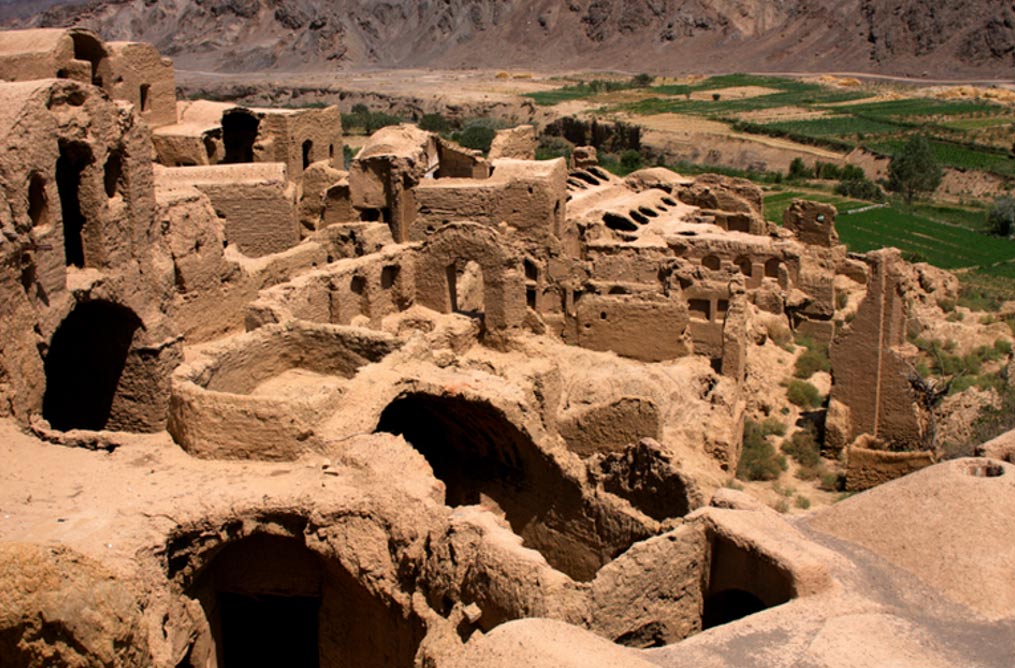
x: 86, y: 358
x: 496, y: 274
x: 741, y: 582
x: 772, y: 266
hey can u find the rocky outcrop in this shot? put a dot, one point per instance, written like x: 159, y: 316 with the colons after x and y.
x: 713, y: 35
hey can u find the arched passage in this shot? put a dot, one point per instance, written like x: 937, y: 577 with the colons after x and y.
x: 441, y: 269
x: 470, y: 445
x: 85, y: 361
x: 485, y: 459
x: 271, y: 601
x: 239, y: 132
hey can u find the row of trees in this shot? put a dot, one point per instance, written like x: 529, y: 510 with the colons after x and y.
x: 912, y: 171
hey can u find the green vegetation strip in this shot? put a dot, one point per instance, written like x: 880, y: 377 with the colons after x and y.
x: 945, y: 237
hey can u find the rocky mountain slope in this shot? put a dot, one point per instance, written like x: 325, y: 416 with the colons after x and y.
x: 912, y: 37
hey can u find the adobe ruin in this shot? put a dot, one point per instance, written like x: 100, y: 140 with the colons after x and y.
x: 438, y: 409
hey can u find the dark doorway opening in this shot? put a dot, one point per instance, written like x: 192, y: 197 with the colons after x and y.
x: 84, y: 364
x: 265, y: 630
x: 742, y: 582
x: 772, y: 268
x: 308, y: 153
x: 728, y: 606
x: 90, y: 49
x: 470, y: 445
x: 74, y: 157
x: 269, y: 600
x: 38, y: 203
x: 239, y: 132
x: 145, y: 94
x: 113, y: 173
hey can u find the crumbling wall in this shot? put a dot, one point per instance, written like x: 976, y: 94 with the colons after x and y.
x: 812, y: 222
x: 299, y: 138
x: 460, y: 162
x: 650, y: 328
x: 518, y: 143
x: 609, y: 427
x: 871, y: 377
x: 528, y: 197
x: 867, y: 468
x: 257, y: 202
x: 146, y: 79
x: 357, y: 290
x: 606, y: 136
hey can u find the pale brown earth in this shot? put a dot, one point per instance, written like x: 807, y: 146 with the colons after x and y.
x: 693, y: 139
x: 734, y: 93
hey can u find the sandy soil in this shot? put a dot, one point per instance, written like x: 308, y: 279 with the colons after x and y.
x: 734, y: 93
x: 457, y: 85
x: 781, y: 114
x: 703, y: 130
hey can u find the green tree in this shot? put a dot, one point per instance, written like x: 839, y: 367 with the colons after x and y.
x: 476, y: 137
x: 642, y: 80
x: 631, y: 160
x: 434, y: 123
x: 914, y: 170
x: 376, y: 121
x: 1001, y: 217
x: 798, y: 170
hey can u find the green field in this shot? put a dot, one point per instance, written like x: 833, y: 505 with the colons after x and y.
x: 979, y: 123
x: 955, y: 155
x: 963, y: 134
x: 776, y: 203
x: 955, y: 127
x: 946, y: 237
x: 837, y: 126
x: 920, y: 107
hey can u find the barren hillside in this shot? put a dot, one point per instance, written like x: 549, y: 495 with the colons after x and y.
x: 914, y: 37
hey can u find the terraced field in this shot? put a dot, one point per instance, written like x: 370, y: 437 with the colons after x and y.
x: 965, y: 134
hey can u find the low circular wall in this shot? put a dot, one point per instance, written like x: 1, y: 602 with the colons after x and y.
x: 215, y: 412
